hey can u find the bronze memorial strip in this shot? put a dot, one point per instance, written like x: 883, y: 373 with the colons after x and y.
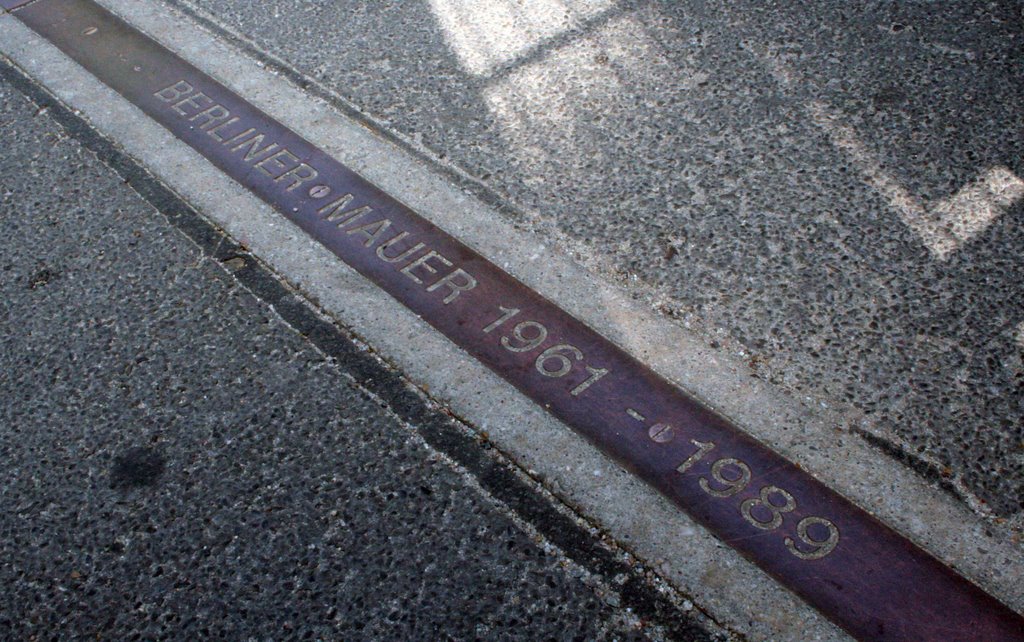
x: 860, y: 573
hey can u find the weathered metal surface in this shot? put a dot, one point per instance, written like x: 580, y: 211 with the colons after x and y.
x: 864, y: 576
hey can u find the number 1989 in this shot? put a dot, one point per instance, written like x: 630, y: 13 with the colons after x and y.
x: 730, y: 476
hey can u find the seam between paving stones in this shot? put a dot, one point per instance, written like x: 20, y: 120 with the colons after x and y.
x: 642, y: 590
x: 890, y: 447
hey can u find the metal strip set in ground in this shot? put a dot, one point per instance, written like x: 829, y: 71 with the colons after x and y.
x: 858, y: 572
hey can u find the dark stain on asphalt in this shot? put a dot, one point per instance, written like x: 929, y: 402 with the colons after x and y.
x: 137, y: 467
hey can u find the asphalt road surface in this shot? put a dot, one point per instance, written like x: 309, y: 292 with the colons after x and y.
x: 179, y: 462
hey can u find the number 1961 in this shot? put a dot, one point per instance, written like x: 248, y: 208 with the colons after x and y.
x: 552, y: 362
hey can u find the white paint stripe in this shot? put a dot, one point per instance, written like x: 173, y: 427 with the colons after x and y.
x: 943, y: 226
x: 735, y: 592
